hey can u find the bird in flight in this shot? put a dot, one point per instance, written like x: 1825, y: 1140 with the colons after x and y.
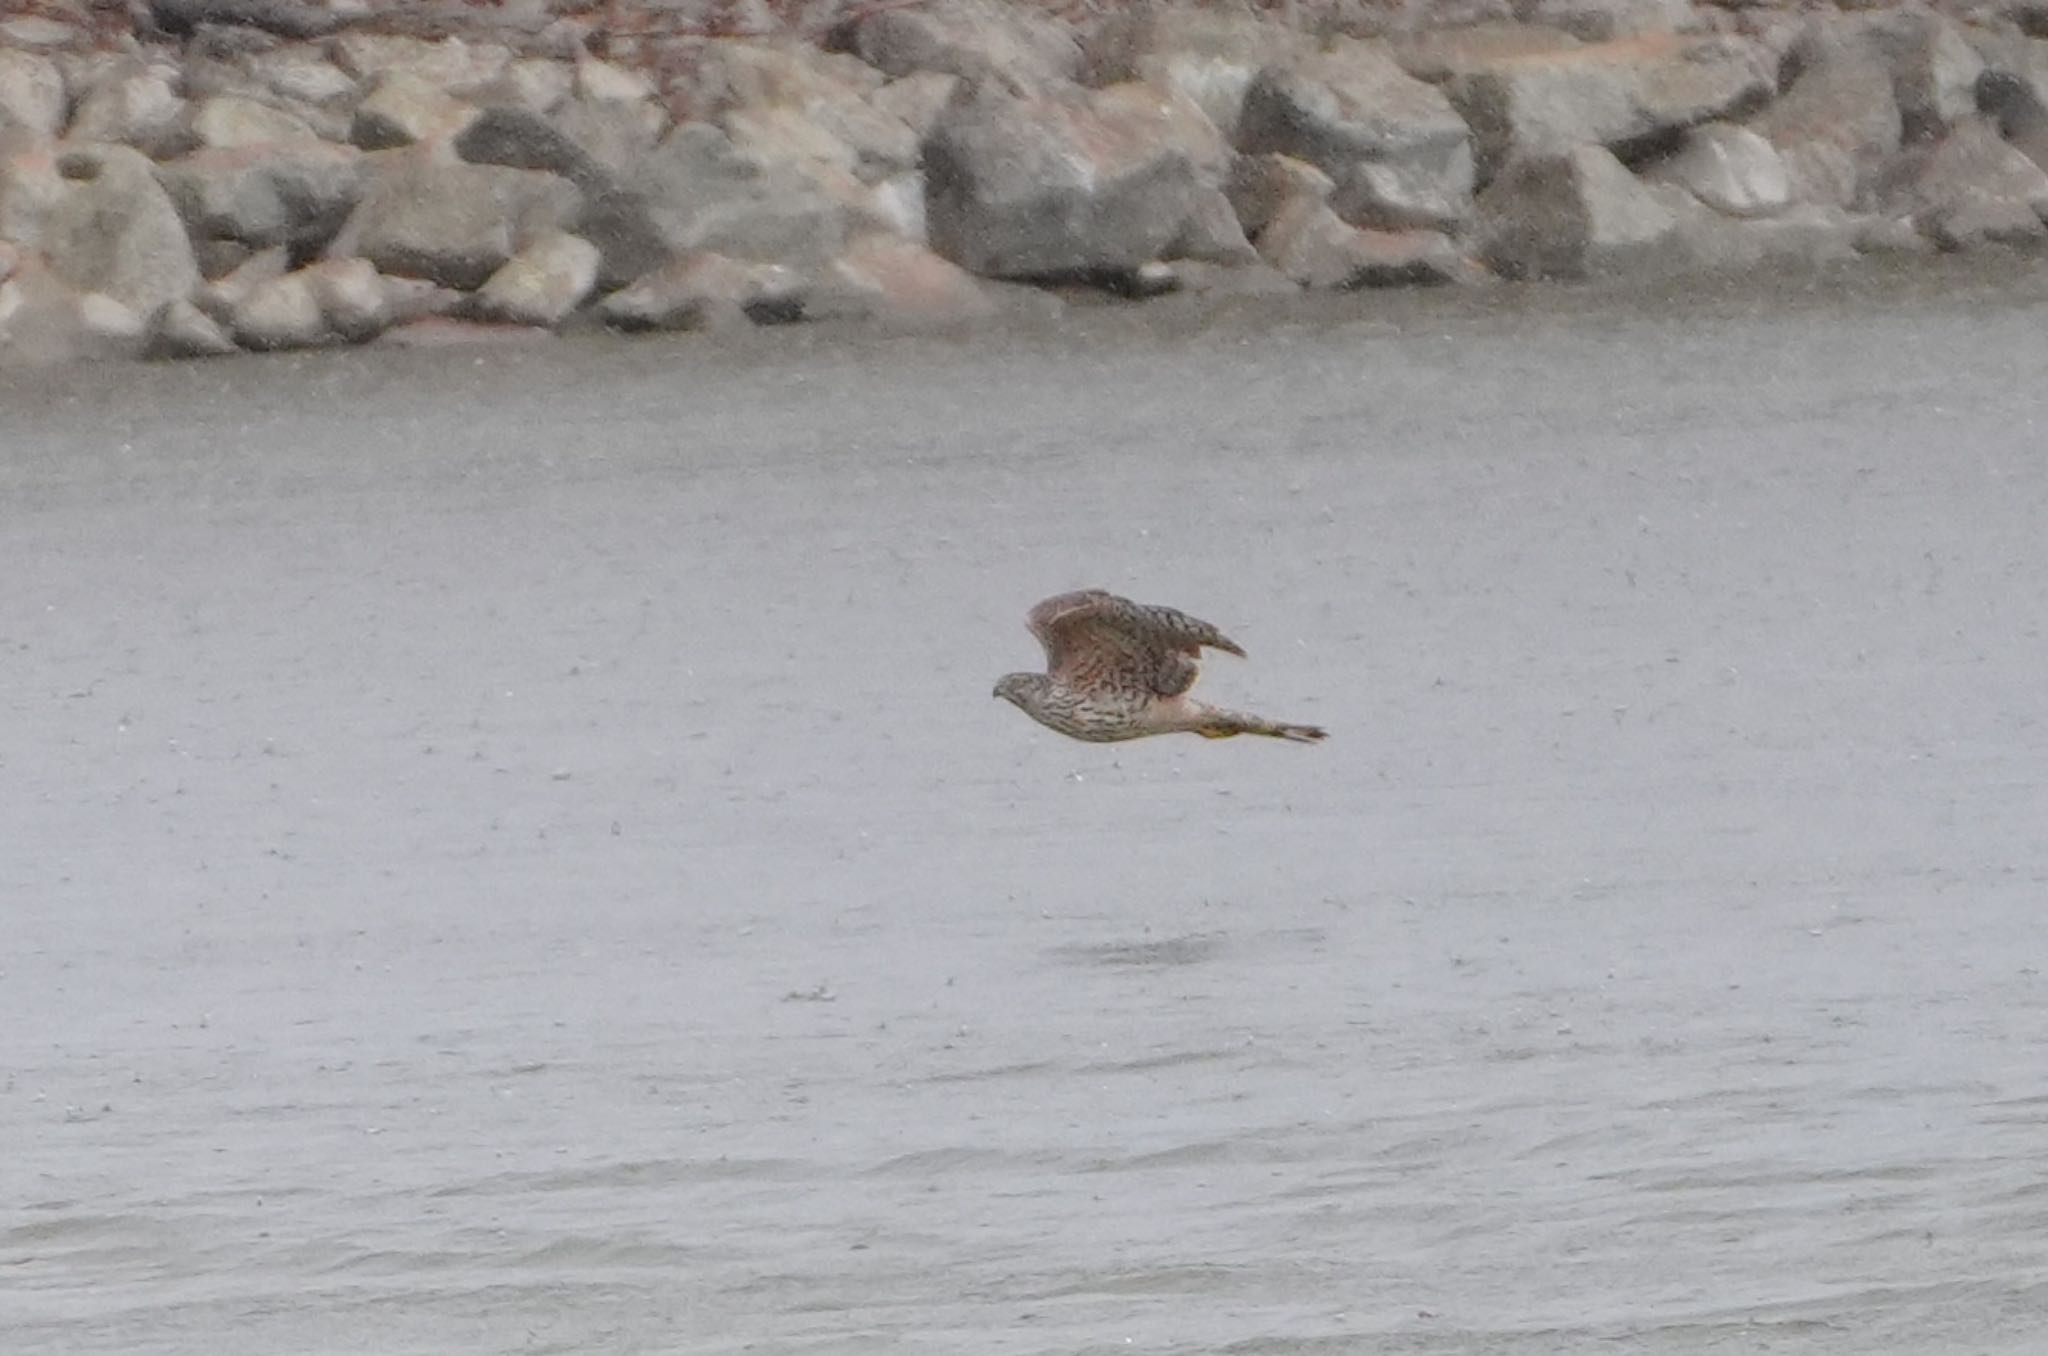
x: 1116, y: 670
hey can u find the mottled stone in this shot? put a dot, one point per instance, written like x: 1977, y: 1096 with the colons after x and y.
x: 1571, y: 215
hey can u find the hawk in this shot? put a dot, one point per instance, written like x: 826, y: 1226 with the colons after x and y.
x: 1121, y: 670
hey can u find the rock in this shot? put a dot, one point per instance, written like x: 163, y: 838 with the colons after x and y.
x: 602, y: 82
x: 229, y: 121
x: 300, y: 74
x: 615, y: 135
x: 114, y: 230
x: 451, y: 64
x: 1399, y: 154
x: 401, y: 108
x: 285, y: 18
x: 410, y: 299
x: 523, y: 139
x: 532, y: 83
x: 1731, y: 169
x: 35, y: 33
x: 223, y: 296
x: 1437, y: 54
x: 897, y: 206
x: 2014, y: 90
x: 351, y: 296
x: 43, y: 320
x: 979, y: 40
x: 1835, y: 126
x: 1313, y: 246
x: 280, y: 314
x: 702, y: 291
x: 695, y: 192
x: 1620, y: 94
x: 1212, y: 233
x: 898, y: 283
x: 1605, y: 20
x: 116, y: 326
x: 137, y: 108
x: 29, y: 188
x: 1968, y: 188
x: 1934, y: 71
x: 1573, y: 214
x: 1802, y: 237
x: 296, y: 194
x: 31, y: 94
x: 1261, y: 185
x: 426, y: 214
x: 218, y: 258
x: 542, y: 284
x: 1208, y: 56
x: 816, y: 103
x: 181, y: 330
x: 1885, y: 234
x: 1056, y: 184
x: 916, y: 100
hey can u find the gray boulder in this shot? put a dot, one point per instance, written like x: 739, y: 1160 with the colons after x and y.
x: 1606, y: 20
x: 1968, y: 188
x: 114, y: 230
x: 900, y: 284
x: 283, y: 313
x: 1836, y: 125
x: 1619, y: 94
x: 1261, y: 185
x: 1399, y: 154
x: 697, y: 192
x: 1207, y: 55
x: 425, y: 214
x: 980, y: 40
x: 1572, y: 214
x: 294, y: 194
x: 228, y: 121
x: 2014, y: 90
x: 1057, y: 184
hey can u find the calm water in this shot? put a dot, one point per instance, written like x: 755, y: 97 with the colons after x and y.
x: 516, y: 852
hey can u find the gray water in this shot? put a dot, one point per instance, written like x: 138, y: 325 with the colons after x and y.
x: 515, y: 851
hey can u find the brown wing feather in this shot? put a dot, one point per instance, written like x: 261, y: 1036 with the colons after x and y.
x: 1093, y: 637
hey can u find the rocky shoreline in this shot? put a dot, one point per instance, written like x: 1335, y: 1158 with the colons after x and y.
x: 181, y: 178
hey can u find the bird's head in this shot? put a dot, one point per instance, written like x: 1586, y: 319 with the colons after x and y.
x: 1019, y: 688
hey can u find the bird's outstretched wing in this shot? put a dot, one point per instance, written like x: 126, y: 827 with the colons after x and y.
x: 1094, y: 638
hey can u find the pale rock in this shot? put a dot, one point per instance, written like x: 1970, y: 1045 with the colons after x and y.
x: 1212, y: 233
x: 114, y: 230
x: 351, y: 295
x: 1731, y: 169
x: 137, y: 108
x: 222, y: 297
x: 1574, y: 214
x: 542, y: 284
x: 459, y: 68
x: 898, y: 283
x: 301, y: 74
x: 534, y: 83
x: 603, y: 82
x: 402, y: 108
x: 31, y: 94
x: 1801, y: 237
x: 703, y: 291
x: 181, y: 330
x: 39, y: 34
x: 283, y: 313
x: 228, y: 121
x: 1614, y: 94
x: 1398, y: 152
x: 1310, y: 244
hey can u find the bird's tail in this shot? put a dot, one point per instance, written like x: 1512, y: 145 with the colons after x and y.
x: 1225, y: 724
